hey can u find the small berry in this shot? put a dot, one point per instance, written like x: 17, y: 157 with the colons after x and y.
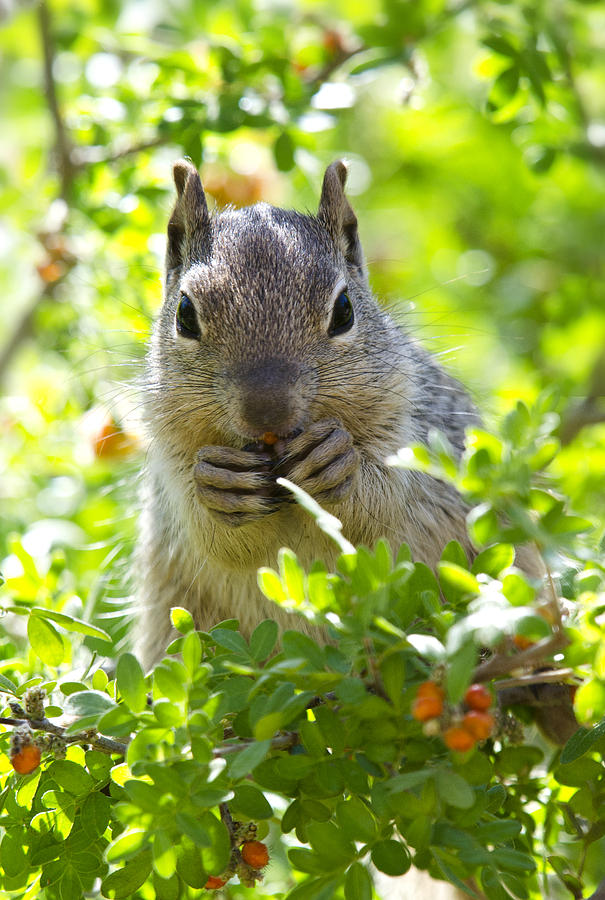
x: 430, y: 689
x: 214, y: 883
x: 424, y: 708
x: 458, y: 738
x: 478, y: 697
x: 479, y: 724
x: 26, y: 760
x: 255, y: 853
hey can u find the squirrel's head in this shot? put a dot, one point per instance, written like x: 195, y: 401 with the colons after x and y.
x: 268, y: 321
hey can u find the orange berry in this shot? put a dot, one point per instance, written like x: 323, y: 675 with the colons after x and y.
x: 478, y: 697
x: 26, y: 760
x: 430, y: 689
x: 424, y: 708
x: 214, y: 883
x: 269, y: 437
x: 255, y: 853
x: 458, y: 738
x: 479, y: 724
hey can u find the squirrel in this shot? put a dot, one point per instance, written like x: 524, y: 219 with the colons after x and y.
x: 272, y: 357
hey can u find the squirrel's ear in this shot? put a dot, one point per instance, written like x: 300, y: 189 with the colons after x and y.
x: 189, y: 225
x: 336, y: 215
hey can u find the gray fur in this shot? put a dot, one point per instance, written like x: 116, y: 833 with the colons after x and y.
x: 263, y: 282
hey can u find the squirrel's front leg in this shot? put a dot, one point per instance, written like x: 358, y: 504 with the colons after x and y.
x: 322, y: 460
x: 236, y: 486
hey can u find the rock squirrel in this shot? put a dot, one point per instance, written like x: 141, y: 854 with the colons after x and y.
x: 271, y: 357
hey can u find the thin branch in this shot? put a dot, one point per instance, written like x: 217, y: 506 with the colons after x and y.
x: 62, y: 142
x: 533, y: 656
x: 86, y: 156
x: 97, y: 741
x: 554, y: 675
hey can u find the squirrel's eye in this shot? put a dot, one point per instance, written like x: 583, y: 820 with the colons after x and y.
x: 342, y: 315
x: 186, y: 319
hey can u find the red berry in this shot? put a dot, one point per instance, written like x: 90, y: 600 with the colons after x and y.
x: 479, y: 724
x: 255, y: 853
x: 26, y: 760
x: 458, y: 738
x: 214, y: 883
x: 478, y: 697
x: 430, y: 689
x: 425, y: 708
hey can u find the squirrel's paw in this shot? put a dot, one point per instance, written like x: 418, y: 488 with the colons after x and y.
x: 236, y: 486
x: 322, y: 460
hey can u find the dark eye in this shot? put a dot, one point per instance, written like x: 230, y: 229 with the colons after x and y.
x: 342, y: 315
x: 186, y: 319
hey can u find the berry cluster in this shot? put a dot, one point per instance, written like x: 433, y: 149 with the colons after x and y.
x: 460, y: 729
x: 248, y: 857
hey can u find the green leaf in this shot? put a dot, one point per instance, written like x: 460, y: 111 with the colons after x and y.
x: 453, y: 789
x: 164, y: 854
x: 89, y: 704
x: 95, y: 815
x: 182, y: 619
x: 581, y: 742
x: 460, y: 669
x: 71, y: 777
x: 494, y: 560
x: 126, y: 844
x: 243, y: 762
x: 230, y: 640
x: 292, y: 575
x: 356, y: 820
x: 131, y: 682
x: 191, y: 653
x: 127, y: 880
x: 70, y: 623
x: 391, y: 857
x: 270, y: 584
x: 7, y: 685
x: 251, y: 802
x: 358, y: 883
x: 263, y: 639
x: 45, y: 641
x: 215, y: 857
x: 517, y: 590
x: 330, y: 843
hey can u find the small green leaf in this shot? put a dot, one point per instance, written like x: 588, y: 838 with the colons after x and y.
x: 191, y: 653
x: 243, y: 762
x: 270, y: 584
x: 131, y: 682
x: 71, y: 777
x: 391, y: 857
x: 164, y: 854
x: 263, y: 639
x: 358, y: 883
x: 453, y: 789
x: 230, y: 640
x: 89, y: 704
x: 126, y: 881
x: 46, y: 642
x: 70, y: 623
x: 251, y: 802
x: 581, y: 742
x: 126, y: 844
x: 182, y: 619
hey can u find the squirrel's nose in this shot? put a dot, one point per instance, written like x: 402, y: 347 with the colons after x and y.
x: 270, y: 397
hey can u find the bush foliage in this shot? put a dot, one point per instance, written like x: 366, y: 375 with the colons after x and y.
x: 475, y: 137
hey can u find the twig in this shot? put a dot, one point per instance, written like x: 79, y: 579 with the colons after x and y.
x: 85, y: 156
x: 98, y: 741
x: 279, y: 742
x: 502, y: 665
x: 555, y: 675
x: 62, y: 142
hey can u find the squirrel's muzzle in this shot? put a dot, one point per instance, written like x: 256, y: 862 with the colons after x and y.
x: 270, y: 397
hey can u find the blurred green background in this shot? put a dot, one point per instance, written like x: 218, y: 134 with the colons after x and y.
x: 475, y: 133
